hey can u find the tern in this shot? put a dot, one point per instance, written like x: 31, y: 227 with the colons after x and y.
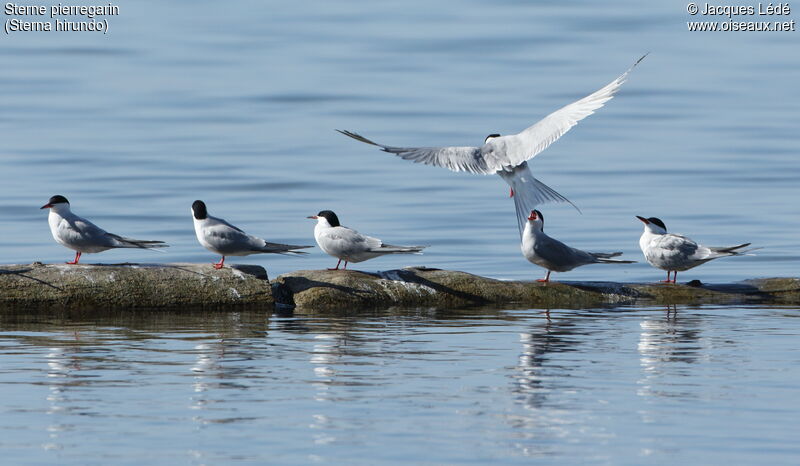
x: 83, y: 236
x: 349, y: 245
x: 676, y: 253
x: 220, y: 237
x: 554, y: 255
x: 508, y: 155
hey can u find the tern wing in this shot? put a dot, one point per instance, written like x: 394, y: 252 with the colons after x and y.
x: 230, y: 239
x: 342, y: 240
x: 279, y: 248
x: 123, y: 242
x: 677, y: 249
x: 458, y: 159
x: 560, y: 255
x: 225, y: 237
x: 533, y: 140
x: 80, y: 232
x: 394, y: 249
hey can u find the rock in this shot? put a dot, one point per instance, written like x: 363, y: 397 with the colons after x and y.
x: 96, y: 288
x: 321, y: 290
x: 123, y: 286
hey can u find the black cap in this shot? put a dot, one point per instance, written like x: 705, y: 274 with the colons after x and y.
x: 330, y: 217
x: 199, y: 210
x: 657, y: 221
x: 541, y: 217
x: 58, y: 199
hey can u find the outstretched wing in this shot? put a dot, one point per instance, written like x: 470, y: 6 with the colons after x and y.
x: 533, y: 140
x: 458, y: 159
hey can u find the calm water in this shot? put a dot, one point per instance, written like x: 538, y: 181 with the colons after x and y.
x: 625, y: 386
x: 236, y: 104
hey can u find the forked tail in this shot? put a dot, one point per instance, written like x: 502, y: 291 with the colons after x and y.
x: 390, y: 249
x: 137, y: 243
x: 606, y: 258
x: 529, y: 193
x: 286, y: 249
x: 733, y: 250
x: 614, y: 261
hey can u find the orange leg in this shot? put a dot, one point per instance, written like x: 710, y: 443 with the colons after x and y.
x: 337, y: 265
x: 77, y: 258
x: 674, y: 277
x: 546, y: 279
x: 219, y: 264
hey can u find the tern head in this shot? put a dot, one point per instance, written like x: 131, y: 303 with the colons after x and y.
x: 653, y: 225
x: 490, y: 137
x: 326, y: 216
x: 536, y: 220
x: 57, y: 203
x: 199, y: 210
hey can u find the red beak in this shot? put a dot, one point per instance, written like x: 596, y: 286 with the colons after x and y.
x: 312, y: 216
x: 533, y: 215
x: 46, y: 206
x: 646, y: 222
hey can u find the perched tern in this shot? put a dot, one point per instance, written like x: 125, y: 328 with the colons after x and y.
x: 674, y: 253
x: 554, y: 255
x: 349, y: 245
x: 507, y: 156
x: 220, y: 237
x: 81, y: 235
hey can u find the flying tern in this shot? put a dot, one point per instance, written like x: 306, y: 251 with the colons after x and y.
x: 508, y: 155
x: 220, y: 237
x: 349, y: 245
x: 83, y: 236
x: 676, y: 253
x: 555, y: 256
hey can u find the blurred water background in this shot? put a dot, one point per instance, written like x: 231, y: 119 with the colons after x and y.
x: 236, y: 103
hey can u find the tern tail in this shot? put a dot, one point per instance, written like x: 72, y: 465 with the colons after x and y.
x: 123, y: 242
x: 606, y: 258
x: 613, y: 261
x: 732, y: 251
x: 529, y: 193
x: 278, y: 248
x: 390, y: 249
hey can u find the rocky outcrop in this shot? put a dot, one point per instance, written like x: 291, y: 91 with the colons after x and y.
x: 124, y: 286
x: 200, y: 286
x: 320, y: 290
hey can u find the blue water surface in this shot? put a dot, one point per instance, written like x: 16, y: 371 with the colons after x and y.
x: 676, y: 385
x: 236, y: 104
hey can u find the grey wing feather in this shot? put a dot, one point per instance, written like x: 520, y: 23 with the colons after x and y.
x: 392, y: 249
x: 606, y: 258
x: 458, y: 159
x: 138, y: 243
x: 558, y: 253
x: 605, y: 255
x: 278, y: 248
x: 534, y: 139
x: 730, y: 249
x: 85, y: 227
x: 225, y: 222
x: 236, y: 238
